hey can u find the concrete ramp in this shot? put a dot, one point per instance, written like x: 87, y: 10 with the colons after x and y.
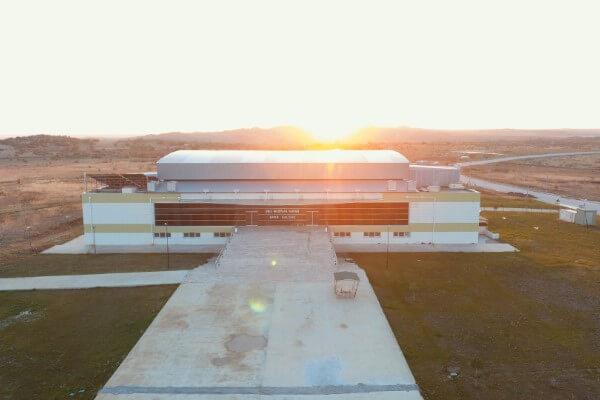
x: 251, y: 328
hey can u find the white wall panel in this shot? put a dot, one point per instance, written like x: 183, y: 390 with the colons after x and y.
x: 444, y: 212
x: 118, y: 239
x: 118, y: 213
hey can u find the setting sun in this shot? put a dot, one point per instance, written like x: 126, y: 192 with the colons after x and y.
x: 330, y: 132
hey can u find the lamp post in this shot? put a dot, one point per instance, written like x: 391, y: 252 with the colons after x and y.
x: 387, y: 250
x: 167, y: 237
x: 28, y: 237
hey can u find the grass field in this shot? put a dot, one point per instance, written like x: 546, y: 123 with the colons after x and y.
x: 506, y: 200
x: 514, y: 325
x: 70, y: 264
x: 65, y: 344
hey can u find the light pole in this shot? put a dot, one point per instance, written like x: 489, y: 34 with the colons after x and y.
x: 167, y: 237
x: 387, y: 250
x: 28, y: 237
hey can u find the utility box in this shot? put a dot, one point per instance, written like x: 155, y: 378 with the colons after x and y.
x: 579, y: 216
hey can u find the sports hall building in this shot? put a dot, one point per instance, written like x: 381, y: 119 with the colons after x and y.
x: 359, y: 196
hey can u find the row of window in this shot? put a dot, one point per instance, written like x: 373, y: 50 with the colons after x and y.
x: 162, y: 234
x: 341, y: 234
x: 190, y: 234
x: 227, y: 234
x: 371, y: 234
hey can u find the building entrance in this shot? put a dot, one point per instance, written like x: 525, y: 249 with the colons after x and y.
x: 211, y: 214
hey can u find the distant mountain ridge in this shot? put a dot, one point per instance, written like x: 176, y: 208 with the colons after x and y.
x: 277, y: 136
x: 291, y: 136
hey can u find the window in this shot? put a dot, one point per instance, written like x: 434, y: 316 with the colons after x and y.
x: 401, y: 234
x: 162, y: 234
x: 341, y: 234
x: 372, y: 234
x: 221, y: 234
x: 191, y: 234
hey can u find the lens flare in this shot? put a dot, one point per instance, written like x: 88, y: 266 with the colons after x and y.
x: 273, y: 263
x: 257, y: 305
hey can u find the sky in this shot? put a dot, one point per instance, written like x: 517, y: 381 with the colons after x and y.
x: 131, y: 67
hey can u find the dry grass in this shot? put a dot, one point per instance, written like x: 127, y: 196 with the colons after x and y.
x: 506, y: 200
x: 518, y: 326
x: 44, y: 195
x: 65, y: 344
x: 70, y: 264
x: 570, y: 176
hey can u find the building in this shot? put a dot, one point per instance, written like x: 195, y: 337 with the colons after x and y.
x: 578, y: 215
x: 200, y: 196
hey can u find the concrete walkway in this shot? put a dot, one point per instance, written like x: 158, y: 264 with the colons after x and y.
x: 266, y: 324
x: 484, y: 245
x: 78, y: 246
x: 520, y: 209
x: 125, y: 279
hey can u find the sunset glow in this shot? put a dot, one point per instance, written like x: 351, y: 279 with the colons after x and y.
x: 331, y: 132
x: 328, y: 67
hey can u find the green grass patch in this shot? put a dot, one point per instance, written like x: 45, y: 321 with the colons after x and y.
x: 517, y: 325
x: 65, y: 344
x: 71, y: 264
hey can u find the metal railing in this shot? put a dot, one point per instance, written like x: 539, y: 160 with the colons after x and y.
x: 224, y: 248
x: 332, y: 246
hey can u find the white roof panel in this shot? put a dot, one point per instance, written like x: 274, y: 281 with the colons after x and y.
x: 282, y: 157
x: 282, y: 165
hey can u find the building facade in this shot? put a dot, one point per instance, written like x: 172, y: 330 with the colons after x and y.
x: 199, y: 197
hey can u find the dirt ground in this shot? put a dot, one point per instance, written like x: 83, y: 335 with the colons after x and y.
x: 65, y: 344
x: 499, y: 326
x: 40, y: 201
x: 572, y: 176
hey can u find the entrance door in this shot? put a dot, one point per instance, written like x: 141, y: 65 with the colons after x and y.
x: 251, y: 217
x: 312, y: 217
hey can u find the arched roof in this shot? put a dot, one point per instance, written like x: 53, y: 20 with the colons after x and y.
x: 282, y: 165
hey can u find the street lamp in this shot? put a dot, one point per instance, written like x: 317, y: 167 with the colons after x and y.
x: 387, y: 250
x: 167, y: 237
x: 28, y: 237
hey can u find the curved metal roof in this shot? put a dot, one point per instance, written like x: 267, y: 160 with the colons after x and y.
x: 282, y: 165
x: 282, y: 157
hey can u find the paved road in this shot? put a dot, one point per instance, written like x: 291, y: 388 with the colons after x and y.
x: 549, y: 198
x: 125, y: 279
x: 525, y: 157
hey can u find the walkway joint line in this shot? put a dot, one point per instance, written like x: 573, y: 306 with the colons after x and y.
x: 260, y: 390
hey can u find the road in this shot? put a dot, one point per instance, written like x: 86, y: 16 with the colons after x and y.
x: 549, y: 198
x: 525, y: 157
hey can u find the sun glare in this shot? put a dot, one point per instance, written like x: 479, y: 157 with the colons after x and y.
x: 329, y: 132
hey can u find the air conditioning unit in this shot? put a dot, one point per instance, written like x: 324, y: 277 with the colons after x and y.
x: 128, y: 189
x: 456, y: 186
x: 171, y: 186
